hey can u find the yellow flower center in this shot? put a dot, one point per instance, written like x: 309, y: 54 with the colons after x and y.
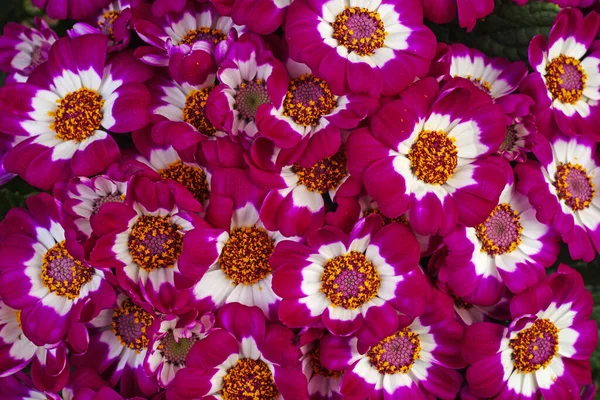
x: 78, y: 116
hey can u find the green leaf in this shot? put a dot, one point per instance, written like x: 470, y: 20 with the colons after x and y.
x: 506, y: 32
x: 14, y: 194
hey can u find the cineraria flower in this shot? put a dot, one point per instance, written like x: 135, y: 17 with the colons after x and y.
x: 66, y: 108
x: 22, y: 49
x: 156, y: 147
x: 142, y: 239
x: 509, y: 249
x: 309, y: 108
x: 259, y: 16
x: 19, y: 387
x: 566, y: 78
x: 563, y: 190
x: 43, y: 277
x: 85, y: 382
x: 427, y: 244
x: 403, y: 358
x: 361, y: 47
x: 323, y: 384
x: 233, y: 263
x: 49, y: 366
x: 250, y: 77
x: 72, y: 9
x: 521, y: 131
x: 349, y: 281
x: 428, y: 152
x: 469, y: 11
x: 244, y: 357
x: 172, y: 343
x: 112, y: 21
x: 197, y: 22
x: 83, y: 198
x: 118, y: 343
x: 497, y: 76
x: 299, y: 196
x: 544, y: 352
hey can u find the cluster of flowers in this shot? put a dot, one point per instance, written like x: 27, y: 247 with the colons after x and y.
x: 320, y: 201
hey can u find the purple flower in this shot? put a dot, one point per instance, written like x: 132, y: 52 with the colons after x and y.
x: 45, y: 277
x: 251, y: 78
x: 403, y: 358
x: 299, y: 195
x: 243, y: 356
x: 72, y: 9
x: 118, y: 343
x: 172, y: 343
x: 509, y: 249
x: 565, y: 81
x: 428, y: 153
x: 323, y: 384
x: 233, y: 263
x: 22, y: 49
x: 562, y: 188
x: 362, y: 47
x: 349, y: 283
x: 196, y: 23
x: 310, y: 109
x: 49, y: 364
x: 142, y: 239
x: 546, y: 348
x: 83, y: 197
x: 67, y: 108
x: 114, y: 21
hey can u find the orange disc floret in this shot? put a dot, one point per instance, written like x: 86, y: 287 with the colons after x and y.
x: 396, y: 353
x: 350, y: 280
x: 249, y: 379
x: 190, y: 176
x: 245, y: 256
x: 155, y: 242
x: 433, y: 157
x: 360, y: 30
x: 308, y: 99
x: 325, y: 175
x: 78, y: 116
x: 194, y: 112
x: 130, y: 324
x: 62, y: 274
x: 534, y: 347
x: 574, y: 186
x: 203, y: 33
x: 501, y: 232
x: 565, y: 79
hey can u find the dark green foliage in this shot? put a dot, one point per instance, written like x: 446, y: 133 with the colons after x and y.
x: 506, y: 33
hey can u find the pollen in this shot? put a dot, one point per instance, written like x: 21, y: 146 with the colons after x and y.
x: 574, y: 186
x: 78, y: 116
x: 500, y: 233
x: 249, y: 379
x: 194, y: 112
x: 107, y: 21
x: 62, y: 274
x: 396, y: 353
x: 350, y: 280
x: 360, y: 30
x: 190, y: 176
x: 155, y: 242
x: 325, y: 175
x: 203, y: 33
x: 130, y: 324
x: 534, y: 347
x: 433, y: 157
x: 565, y: 79
x: 308, y: 99
x: 245, y: 256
